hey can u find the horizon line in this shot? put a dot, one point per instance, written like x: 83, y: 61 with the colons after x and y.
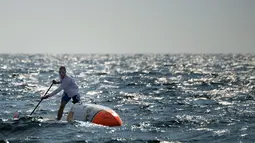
x: 134, y: 53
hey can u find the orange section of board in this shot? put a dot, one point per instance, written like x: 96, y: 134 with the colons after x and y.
x: 107, y: 118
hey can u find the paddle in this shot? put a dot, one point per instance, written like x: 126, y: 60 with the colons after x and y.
x: 41, y: 99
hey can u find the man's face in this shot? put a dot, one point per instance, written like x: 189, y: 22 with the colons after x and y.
x: 62, y: 73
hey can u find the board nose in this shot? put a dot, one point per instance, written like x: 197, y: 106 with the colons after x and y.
x: 107, y: 118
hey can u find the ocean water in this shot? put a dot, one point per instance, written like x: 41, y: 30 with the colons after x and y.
x: 161, y: 98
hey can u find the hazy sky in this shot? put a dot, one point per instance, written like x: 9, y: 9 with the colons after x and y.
x: 127, y: 26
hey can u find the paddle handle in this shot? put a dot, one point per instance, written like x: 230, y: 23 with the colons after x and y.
x: 41, y: 99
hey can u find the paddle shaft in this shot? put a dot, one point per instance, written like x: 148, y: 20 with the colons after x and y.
x: 41, y: 99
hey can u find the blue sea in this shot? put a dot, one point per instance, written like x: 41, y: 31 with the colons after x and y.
x: 161, y: 98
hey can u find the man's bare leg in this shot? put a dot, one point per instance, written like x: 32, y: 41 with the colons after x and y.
x: 61, y: 109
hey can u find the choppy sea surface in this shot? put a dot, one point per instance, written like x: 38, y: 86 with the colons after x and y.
x: 161, y: 98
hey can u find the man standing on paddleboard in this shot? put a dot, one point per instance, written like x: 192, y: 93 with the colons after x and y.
x: 71, y: 90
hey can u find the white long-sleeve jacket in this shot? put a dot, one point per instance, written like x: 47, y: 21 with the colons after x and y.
x: 69, y: 86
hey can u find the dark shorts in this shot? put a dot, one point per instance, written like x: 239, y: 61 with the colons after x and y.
x: 66, y: 98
